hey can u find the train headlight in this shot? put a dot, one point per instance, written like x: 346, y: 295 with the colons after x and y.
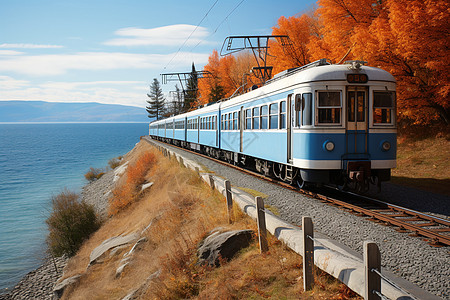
x: 328, y: 145
x: 385, y: 146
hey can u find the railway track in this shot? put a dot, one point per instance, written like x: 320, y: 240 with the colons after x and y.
x: 434, y: 230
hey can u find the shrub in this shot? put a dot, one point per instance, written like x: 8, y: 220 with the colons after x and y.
x: 94, y: 174
x: 115, y: 162
x: 127, y: 193
x: 70, y: 223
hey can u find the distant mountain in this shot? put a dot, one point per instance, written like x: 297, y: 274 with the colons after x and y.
x: 41, y: 111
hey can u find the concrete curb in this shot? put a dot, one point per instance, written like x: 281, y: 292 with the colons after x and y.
x: 330, y: 256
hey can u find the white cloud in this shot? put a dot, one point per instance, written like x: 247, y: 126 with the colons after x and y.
x: 109, y: 92
x: 9, y: 83
x: 10, y: 52
x: 172, y: 35
x: 57, y: 64
x: 30, y: 46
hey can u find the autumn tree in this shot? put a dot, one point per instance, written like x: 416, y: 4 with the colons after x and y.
x: 155, y: 107
x: 296, y: 53
x: 211, y: 88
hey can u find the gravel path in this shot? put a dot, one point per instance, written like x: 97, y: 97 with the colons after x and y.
x: 408, y: 257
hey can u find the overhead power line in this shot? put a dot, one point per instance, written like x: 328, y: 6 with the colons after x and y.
x: 179, y: 49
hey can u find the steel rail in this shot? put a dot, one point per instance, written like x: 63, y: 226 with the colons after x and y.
x: 436, y: 239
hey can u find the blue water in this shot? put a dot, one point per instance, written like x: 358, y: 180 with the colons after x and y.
x: 38, y: 161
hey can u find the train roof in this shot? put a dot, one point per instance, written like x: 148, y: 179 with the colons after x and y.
x: 317, y: 71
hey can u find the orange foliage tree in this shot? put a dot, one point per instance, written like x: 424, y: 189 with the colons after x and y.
x: 299, y: 30
x: 408, y: 38
x: 227, y: 75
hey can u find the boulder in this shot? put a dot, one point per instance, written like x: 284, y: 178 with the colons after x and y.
x: 223, y: 246
x: 59, y: 288
x: 109, y: 244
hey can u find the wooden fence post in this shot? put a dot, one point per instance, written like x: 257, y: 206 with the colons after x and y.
x: 229, y: 200
x: 372, y: 260
x: 308, y: 253
x: 261, y: 219
x: 211, y: 181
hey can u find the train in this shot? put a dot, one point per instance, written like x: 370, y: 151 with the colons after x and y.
x: 319, y: 124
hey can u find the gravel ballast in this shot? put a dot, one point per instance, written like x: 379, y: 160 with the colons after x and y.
x: 408, y: 257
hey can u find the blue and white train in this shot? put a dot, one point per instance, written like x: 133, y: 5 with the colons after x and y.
x: 320, y: 123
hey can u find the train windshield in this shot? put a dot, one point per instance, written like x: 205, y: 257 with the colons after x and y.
x: 383, y: 107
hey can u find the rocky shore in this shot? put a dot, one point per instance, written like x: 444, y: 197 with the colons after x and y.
x: 38, y: 284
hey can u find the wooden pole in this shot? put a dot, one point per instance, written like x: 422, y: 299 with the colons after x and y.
x: 229, y: 200
x: 308, y: 253
x: 372, y: 260
x: 261, y: 219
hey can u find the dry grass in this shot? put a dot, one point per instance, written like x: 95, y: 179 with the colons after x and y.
x: 183, y: 210
x: 424, y: 164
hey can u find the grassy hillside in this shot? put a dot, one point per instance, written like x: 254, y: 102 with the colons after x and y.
x: 182, y: 209
x: 424, y: 163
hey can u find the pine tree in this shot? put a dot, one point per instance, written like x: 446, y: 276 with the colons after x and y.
x: 156, y: 102
x: 191, y: 93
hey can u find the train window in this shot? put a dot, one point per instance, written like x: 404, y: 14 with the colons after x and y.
x: 298, y: 109
x: 273, y: 116
x: 307, y: 109
x: 235, y: 125
x: 282, y: 114
x: 248, y: 119
x: 209, y: 123
x: 329, y: 108
x: 239, y: 120
x: 383, y: 107
x: 222, y: 122
x: 356, y: 106
x: 230, y: 121
x: 256, y: 118
x: 264, y: 117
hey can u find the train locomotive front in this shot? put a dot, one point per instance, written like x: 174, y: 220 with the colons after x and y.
x: 342, y: 127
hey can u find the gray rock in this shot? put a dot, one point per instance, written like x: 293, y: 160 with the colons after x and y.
x: 146, y: 186
x: 223, y: 246
x: 109, y: 244
x: 59, y: 288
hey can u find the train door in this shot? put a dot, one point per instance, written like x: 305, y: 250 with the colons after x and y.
x: 216, y: 127
x: 289, y: 120
x: 185, y: 129
x: 357, y: 121
x: 241, y: 129
x: 198, y: 130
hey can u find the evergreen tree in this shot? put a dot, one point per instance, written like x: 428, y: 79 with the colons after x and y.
x: 155, y: 106
x: 191, y: 93
x: 217, y: 92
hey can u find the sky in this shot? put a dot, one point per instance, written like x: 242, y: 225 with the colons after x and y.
x: 109, y: 51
